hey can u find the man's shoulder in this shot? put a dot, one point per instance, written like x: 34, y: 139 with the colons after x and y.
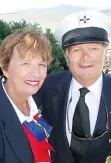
x: 56, y: 75
x: 107, y: 84
x: 107, y: 78
x: 53, y: 79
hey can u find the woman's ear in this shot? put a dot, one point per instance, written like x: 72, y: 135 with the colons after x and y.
x: 5, y: 73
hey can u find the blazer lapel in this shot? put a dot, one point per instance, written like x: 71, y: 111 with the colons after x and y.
x: 60, y: 96
x: 107, y: 98
x: 105, y: 105
x: 13, y: 130
x: 59, y: 101
x: 101, y: 119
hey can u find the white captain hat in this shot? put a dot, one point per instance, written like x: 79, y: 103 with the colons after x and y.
x: 83, y: 27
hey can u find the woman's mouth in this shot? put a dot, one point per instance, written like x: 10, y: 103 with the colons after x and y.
x: 32, y: 82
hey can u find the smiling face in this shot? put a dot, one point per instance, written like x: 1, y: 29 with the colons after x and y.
x: 25, y: 75
x: 86, y: 61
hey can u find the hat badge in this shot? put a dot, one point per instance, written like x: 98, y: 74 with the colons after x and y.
x: 84, y: 20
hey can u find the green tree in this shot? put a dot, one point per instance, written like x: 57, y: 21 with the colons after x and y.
x: 5, y: 30
x: 58, y: 61
x: 23, y: 24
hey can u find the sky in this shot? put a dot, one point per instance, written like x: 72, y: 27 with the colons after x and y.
x: 7, y: 6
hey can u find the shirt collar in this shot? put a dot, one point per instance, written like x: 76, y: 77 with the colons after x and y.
x: 21, y: 116
x: 95, y: 88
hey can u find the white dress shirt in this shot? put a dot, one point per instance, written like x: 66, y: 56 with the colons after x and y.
x: 92, y: 99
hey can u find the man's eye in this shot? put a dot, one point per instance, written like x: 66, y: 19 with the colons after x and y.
x: 76, y: 50
x: 94, y: 48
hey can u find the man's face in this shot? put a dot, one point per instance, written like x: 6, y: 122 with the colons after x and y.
x: 86, y: 61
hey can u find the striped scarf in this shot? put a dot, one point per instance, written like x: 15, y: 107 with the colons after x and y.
x: 37, y: 133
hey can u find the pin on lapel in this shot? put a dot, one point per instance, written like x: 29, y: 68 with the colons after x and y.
x: 110, y: 140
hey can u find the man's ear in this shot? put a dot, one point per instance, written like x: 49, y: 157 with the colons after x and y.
x: 66, y: 53
x: 106, y: 51
x: 66, y: 56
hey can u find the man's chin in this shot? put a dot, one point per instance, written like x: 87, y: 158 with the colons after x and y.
x: 88, y: 76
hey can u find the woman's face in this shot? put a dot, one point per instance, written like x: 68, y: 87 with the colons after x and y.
x: 25, y: 76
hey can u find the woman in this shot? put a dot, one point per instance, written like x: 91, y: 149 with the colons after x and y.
x: 24, y: 57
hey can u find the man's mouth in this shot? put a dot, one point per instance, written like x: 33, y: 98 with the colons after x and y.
x: 86, y: 66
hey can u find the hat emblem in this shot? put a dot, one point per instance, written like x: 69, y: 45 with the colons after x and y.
x: 84, y: 19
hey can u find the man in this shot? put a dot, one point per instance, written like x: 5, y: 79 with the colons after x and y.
x: 77, y: 103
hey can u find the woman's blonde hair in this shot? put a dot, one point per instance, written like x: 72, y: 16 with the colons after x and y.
x: 28, y: 42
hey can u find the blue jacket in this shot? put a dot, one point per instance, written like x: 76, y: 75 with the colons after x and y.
x: 54, y: 96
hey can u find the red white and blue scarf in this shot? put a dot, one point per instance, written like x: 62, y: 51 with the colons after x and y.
x: 37, y: 132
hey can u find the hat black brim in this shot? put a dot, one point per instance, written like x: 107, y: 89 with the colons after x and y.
x: 85, y: 35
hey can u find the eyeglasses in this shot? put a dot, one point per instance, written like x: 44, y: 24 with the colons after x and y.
x: 88, y: 138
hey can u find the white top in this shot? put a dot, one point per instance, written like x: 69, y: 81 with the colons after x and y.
x: 92, y: 99
x: 21, y: 116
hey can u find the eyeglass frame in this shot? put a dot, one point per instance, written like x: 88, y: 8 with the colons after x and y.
x: 91, y: 138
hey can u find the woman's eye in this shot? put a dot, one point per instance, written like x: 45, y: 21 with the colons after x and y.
x: 43, y: 65
x: 25, y: 63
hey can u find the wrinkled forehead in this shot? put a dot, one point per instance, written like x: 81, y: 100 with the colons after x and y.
x: 86, y: 46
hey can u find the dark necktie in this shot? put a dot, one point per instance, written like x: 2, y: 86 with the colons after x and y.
x: 81, y: 123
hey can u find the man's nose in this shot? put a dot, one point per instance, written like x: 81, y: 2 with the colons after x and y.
x: 85, y: 55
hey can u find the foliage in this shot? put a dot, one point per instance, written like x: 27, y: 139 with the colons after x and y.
x: 58, y: 62
x: 23, y: 24
x: 108, y: 160
x: 5, y: 30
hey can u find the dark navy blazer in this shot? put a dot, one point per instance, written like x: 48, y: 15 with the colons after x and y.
x: 54, y: 96
x: 14, y: 146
